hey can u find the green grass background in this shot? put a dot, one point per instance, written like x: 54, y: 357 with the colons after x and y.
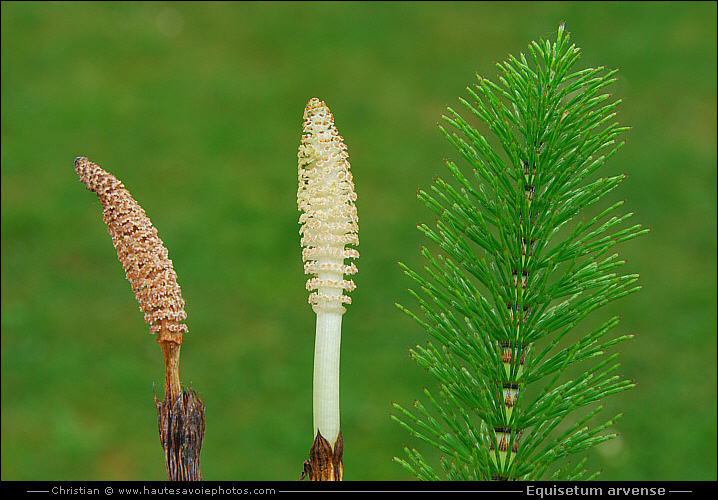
x: 197, y: 108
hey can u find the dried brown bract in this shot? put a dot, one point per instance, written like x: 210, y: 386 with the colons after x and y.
x: 181, y: 426
x: 325, y: 461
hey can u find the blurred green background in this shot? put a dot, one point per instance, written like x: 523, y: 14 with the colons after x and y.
x: 197, y: 108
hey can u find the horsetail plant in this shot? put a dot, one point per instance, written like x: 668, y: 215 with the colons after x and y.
x: 153, y: 279
x: 329, y: 223
x: 517, y: 272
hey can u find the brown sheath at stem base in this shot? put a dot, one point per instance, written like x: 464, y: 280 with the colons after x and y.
x: 180, y: 418
x: 181, y: 426
x: 325, y: 463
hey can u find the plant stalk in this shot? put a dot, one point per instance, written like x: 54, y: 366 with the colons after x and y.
x: 329, y: 223
x: 150, y: 273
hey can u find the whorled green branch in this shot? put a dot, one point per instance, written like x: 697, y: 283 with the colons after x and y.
x: 512, y: 278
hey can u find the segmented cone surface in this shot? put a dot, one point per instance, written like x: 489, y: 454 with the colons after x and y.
x: 329, y: 217
x: 141, y: 252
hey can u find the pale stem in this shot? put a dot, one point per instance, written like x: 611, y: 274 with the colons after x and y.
x: 326, y: 374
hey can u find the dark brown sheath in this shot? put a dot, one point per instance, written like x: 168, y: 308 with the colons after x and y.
x: 181, y: 427
x: 325, y: 464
